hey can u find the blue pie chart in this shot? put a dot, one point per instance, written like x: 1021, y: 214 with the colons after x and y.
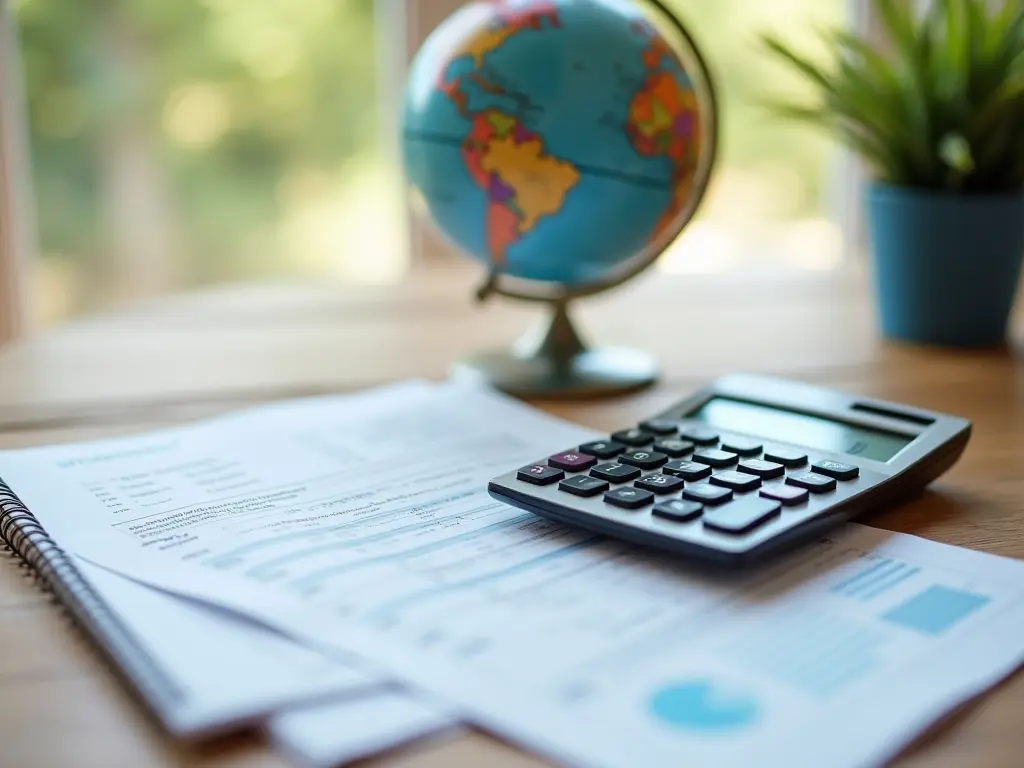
x: 704, y: 706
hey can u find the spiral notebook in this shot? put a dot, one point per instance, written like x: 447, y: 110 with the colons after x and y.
x: 56, y: 573
x: 191, y: 666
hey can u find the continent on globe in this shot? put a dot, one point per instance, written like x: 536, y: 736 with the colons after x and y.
x: 514, y: 17
x: 521, y: 182
x: 663, y: 121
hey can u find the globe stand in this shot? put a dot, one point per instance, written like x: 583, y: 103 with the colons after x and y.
x: 551, y: 361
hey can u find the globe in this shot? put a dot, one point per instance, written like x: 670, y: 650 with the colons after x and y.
x: 559, y: 141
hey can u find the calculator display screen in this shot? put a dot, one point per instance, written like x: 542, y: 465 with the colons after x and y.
x: 811, y: 431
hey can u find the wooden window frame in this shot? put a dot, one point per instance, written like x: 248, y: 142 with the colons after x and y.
x: 17, y: 207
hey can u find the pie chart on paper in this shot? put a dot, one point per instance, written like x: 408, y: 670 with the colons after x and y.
x: 704, y: 706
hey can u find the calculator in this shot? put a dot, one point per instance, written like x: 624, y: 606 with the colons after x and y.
x: 745, y: 468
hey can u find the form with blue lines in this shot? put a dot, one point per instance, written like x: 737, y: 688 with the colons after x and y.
x: 601, y: 654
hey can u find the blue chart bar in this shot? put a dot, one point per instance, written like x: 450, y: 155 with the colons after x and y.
x: 935, y: 610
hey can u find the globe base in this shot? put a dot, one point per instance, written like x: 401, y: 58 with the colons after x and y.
x: 594, y: 373
x: 552, y: 362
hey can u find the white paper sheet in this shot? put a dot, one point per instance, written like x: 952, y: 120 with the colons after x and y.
x: 233, y: 671
x: 338, y: 733
x: 592, y: 652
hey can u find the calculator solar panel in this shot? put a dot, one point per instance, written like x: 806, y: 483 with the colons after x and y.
x: 747, y: 467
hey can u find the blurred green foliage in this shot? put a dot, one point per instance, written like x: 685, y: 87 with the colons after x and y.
x: 278, y: 85
x: 939, y: 105
x: 227, y: 109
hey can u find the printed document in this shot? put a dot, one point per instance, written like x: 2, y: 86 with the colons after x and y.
x: 367, y: 533
x: 237, y: 672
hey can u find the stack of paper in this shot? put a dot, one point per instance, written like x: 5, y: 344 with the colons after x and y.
x: 360, y: 529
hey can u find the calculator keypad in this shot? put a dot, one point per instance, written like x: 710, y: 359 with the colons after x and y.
x: 691, y: 481
x: 688, y: 470
x: 813, y: 482
x: 603, y: 449
x: 678, y: 510
x: 538, y: 474
x: 836, y: 469
x: 737, y: 481
x: 766, y: 470
x: 643, y: 459
x: 707, y: 493
x: 715, y: 458
x: 660, y: 484
x: 615, y: 473
x: 583, y: 485
x: 788, y: 495
x: 629, y: 498
x: 700, y: 436
x: 742, y: 515
x: 786, y: 456
x: 634, y: 436
x: 742, y: 446
x: 674, y: 448
x: 572, y: 461
x: 659, y: 426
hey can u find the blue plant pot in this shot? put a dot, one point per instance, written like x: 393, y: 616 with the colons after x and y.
x: 946, y: 267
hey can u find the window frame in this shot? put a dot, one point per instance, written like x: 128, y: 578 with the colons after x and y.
x: 17, y: 204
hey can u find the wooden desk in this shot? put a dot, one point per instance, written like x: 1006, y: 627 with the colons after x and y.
x: 196, y: 355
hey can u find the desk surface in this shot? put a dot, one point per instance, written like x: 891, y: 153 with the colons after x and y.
x: 192, y: 356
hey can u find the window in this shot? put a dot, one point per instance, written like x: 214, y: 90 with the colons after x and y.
x: 196, y: 142
x: 190, y: 143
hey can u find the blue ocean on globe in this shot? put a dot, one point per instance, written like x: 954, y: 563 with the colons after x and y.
x: 552, y: 140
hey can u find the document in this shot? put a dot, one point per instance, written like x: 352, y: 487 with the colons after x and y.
x: 231, y: 671
x: 368, y: 534
x: 336, y: 733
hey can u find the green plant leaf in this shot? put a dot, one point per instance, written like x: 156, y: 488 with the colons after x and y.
x: 942, y: 106
x: 955, y: 152
x: 913, y: 49
x: 801, y: 64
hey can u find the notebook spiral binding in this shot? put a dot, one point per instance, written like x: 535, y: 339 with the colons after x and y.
x: 55, y: 573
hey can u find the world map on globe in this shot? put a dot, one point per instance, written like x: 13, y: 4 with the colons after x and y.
x: 552, y: 139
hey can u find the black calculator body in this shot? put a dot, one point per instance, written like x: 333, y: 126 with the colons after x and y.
x: 746, y: 468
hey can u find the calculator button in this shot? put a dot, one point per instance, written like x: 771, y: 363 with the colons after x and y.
x: 538, y: 474
x: 763, y: 469
x: 603, y: 449
x: 715, y: 458
x: 633, y: 436
x: 742, y: 515
x: 812, y: 481
x: 615, y: 473
x: 678, y: 510
x: 738, y: 481
x: 643, y: 459
x: 629, y: 498
x: 659, y: 483
x: 688, y: 470
x: 707, y: 494
x: 700, y: 436
x: 572, y: 461
x: 786, y: 456
x: 674, y: 448
x: 742, y: 447
x: 582, y: 485
x: 659, y: 426
x: 836, y: 469
x: 789, y: 495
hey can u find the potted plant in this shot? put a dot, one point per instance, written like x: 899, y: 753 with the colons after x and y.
x: 936, y: 110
